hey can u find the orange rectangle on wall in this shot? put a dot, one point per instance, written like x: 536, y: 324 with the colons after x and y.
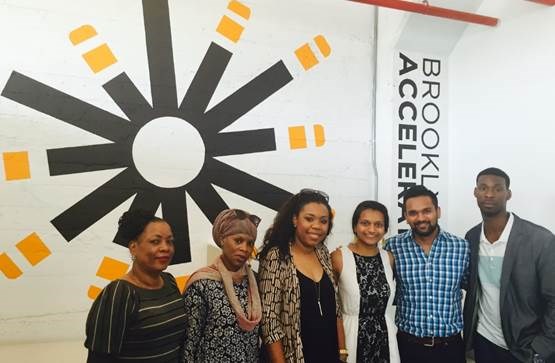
x: 111, y: 269
x: 16, y: 165
x: 33, y: 249
x: 100, y: 58
x: 297, y: 137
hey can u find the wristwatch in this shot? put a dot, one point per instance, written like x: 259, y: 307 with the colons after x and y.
x: 344, y: 353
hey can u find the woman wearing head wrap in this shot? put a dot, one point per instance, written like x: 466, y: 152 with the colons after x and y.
x: 222, y: 299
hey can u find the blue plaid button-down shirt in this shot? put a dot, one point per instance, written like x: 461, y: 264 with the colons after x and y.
x: 429, y: 295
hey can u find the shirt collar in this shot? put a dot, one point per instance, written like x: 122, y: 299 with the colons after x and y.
x: 504, y: 238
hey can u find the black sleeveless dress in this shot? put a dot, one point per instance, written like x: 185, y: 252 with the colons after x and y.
x: 373, y: 346
x: 318, y: 320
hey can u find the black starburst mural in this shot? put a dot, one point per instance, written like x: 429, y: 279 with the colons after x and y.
x: 121, y: 133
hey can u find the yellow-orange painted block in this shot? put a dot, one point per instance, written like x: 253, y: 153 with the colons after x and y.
x: 181, y: 282
x: 100, y: 58
x: 81, y: 34
x: 33, y: 248
x: 322, y: 45
x: 8, y: 267
x: 111, y: 269
x: 230, y: 29
x: 240, y: 9
x: 16, y: 165
x: 93, y: 292
x: 306, y: 57
x: 319, y: 135
x: 297, y: 137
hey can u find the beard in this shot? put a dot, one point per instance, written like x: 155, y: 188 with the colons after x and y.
x: 491, y: 212
x: 432, y: 227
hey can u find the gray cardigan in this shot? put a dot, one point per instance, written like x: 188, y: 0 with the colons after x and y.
x: 527, y: 296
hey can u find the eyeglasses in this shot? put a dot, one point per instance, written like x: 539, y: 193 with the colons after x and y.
x: 315, y: 191
x: 241, y: 214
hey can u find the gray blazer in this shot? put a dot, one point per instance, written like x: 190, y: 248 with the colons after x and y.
x: 527, y: 296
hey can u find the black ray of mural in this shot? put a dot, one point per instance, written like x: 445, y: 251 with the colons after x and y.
x: 83, y: 214
x: 205, y: 82
x: 241, y: 142
x: 174, y: 210
x: 83, y: 159
x: 244, y: 184
x: 160, y: 56
x: 121, y: 132
x: 48, y: 100
x: 205, y: 196
x: 128, y: 98
x: 245, y: 99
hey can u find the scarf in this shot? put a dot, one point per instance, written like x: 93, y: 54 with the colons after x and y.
x: 218, y: 272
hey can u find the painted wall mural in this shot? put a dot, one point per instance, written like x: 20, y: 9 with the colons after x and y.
x: 181, y: 138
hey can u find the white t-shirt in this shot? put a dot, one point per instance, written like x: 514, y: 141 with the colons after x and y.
x: 490, y: 262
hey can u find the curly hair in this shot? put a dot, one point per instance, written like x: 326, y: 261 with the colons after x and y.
x: 282, y: 231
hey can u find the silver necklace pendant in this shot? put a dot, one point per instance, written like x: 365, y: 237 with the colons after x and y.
x: 318, y: 298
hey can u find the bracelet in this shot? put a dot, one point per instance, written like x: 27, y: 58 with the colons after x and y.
x: 343, y: 351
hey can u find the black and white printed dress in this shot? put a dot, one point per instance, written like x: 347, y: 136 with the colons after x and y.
x: 374, y: 293
x: 367, y: 289
x: 212, y: 333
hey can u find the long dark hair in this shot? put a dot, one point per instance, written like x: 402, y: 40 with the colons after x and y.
x: 282, y: 230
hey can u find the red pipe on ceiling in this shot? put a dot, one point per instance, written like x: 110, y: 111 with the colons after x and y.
x: 545, y: 2
x: 436, y: 11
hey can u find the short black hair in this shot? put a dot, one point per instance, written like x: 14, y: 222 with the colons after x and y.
x: 133, y: 222
x: 496, y: 172
x: 418, y: 191
x: 373, y: 205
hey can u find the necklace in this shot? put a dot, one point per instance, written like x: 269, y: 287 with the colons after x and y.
x: 317, y: 286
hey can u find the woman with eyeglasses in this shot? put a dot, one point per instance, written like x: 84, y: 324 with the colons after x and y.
x: 366, y: 286
x: 301, y: 317
x: 222, y: 299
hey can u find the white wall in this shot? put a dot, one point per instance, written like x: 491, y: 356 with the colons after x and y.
x: 500, y: 93
x: 501, y: 111
x: 49, y: 302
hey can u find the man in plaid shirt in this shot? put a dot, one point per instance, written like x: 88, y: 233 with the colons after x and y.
x: 431, y: 267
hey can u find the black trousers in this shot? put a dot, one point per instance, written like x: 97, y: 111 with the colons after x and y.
x: 413, y: 352
x: 487, y: 352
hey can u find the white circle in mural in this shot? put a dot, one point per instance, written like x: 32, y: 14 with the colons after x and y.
x: 168, y: 152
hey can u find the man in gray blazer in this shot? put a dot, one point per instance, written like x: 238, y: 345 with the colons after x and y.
x: 509, y: 312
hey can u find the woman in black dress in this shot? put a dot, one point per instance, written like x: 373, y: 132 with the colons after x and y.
x: 301, y: 317
x: 140, y: 317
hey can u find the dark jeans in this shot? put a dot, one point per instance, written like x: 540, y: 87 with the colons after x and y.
x: 413, y: 352
x: 487, y: 352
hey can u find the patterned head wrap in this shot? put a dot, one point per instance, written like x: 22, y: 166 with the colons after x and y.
x: 234, y: 221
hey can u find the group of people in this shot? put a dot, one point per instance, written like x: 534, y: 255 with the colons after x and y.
x: 307, y: 305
